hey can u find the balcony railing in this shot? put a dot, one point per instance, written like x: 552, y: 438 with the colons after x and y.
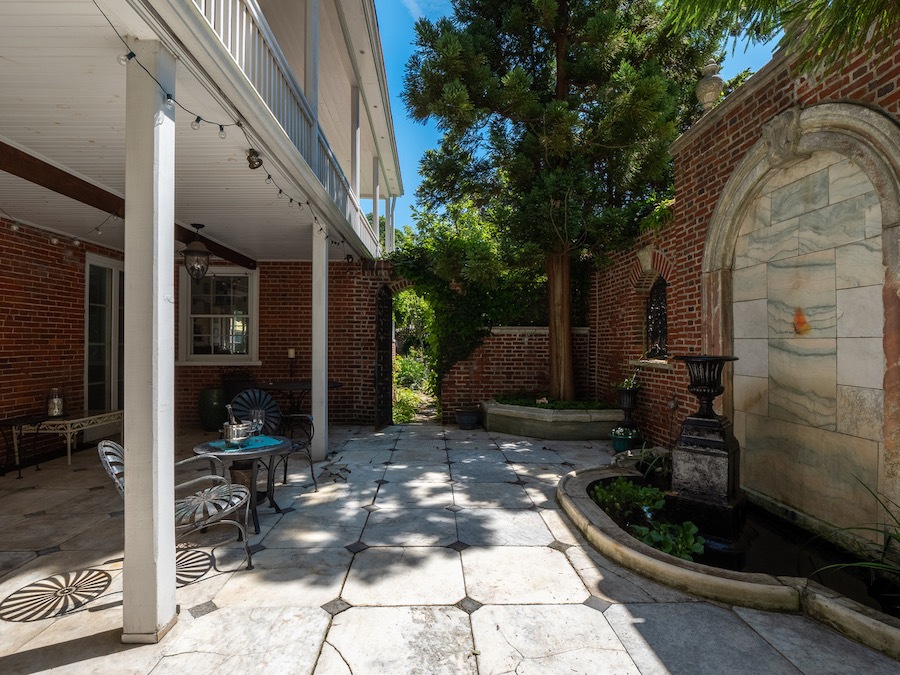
x: 246, y: 36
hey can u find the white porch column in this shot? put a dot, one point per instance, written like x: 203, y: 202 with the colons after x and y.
x: 149, y: 571
x: 354, y: 140
x: 390, y: 244
x: 311, y: 74
x: 376, y: 197
x: 319, y: 393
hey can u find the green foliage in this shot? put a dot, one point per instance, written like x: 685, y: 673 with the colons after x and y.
x: 888, y: 563
x: 406, y: 405
x: 822, y: 32
x: 413, y: 317
x: 470, y: 281
x: 543, y: 401
x: 679, y: 540
x: 631, y: 504
x: 557, y: 117
x: 410, y: 371
x: 623, y: 499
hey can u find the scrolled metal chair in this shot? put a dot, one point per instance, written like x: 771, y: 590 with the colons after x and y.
x: 258, y: 404
x: 200, y: 502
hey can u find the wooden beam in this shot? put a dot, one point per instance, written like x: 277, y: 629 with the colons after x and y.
x: 39, y: 172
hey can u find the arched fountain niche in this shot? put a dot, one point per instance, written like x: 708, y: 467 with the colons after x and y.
x: 801, y: 274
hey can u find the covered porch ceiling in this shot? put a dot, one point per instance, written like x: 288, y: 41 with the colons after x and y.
x: 63, y: 102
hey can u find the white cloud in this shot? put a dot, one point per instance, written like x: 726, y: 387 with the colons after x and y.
x: 413, y: 7
x: 431, y: 9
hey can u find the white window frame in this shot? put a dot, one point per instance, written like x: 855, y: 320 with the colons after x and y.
x: 185, y: 358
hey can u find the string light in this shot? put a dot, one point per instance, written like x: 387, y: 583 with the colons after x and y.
x: 253, y: 159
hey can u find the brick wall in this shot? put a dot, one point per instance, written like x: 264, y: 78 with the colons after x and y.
x: 42, y: 323
x: 510, y: 361
x: 42, y: 327
x: 285, y: 297
x: 705, y: 158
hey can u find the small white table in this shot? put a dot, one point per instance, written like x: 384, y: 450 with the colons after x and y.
x: 68, y: 426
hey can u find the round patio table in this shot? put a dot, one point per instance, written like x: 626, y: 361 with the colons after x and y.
x: 247, y: 458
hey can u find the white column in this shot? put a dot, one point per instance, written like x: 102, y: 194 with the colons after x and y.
x: 149, y: 570
x: 319, y: 393
x: 390, y: 243
x: 376, y: 197
x: 354, y: 140
x: 354, y: 153
x: 311, y: 76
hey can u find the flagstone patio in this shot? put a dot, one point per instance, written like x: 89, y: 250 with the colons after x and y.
x: 427, y: 549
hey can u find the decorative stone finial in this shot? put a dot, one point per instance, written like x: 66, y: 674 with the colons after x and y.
x: 709, y: 88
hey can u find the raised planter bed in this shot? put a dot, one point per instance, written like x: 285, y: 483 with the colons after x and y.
x: 560, y: 425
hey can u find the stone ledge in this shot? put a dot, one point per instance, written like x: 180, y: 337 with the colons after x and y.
x: 759, y: 591
x: 557, y: 425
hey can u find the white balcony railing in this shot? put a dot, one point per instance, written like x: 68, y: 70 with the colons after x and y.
x: 245, y: 34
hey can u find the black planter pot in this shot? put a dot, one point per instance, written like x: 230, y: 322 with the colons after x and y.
x: 705, y: 373
x: 466, y: 418
x: 628, y: 402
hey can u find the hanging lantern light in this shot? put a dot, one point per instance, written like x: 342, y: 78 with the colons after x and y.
x: 254, y: 161
x: 196, y: 256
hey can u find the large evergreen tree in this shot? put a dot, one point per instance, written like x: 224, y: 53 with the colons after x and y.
x: 557, y: 114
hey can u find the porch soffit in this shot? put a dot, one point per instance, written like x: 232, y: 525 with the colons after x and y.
x: 64, y: 102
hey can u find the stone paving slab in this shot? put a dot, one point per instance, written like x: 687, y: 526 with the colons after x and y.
x: 399, y: 640
x: 413, y: 575
x: 501, y: 575
x: 540, y: 639
x: 416, y: 566
x: 693, y: 638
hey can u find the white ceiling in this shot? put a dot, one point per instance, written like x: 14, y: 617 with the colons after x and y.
x: 62, y: 99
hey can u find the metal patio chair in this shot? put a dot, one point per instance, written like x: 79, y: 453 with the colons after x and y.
x: 199, y: 502
x: 259, y: 403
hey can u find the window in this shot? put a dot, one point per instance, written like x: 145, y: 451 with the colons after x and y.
x: 218, y: 316
x: 657, y: 321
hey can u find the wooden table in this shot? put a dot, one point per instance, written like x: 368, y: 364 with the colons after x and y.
x: 248, y: 457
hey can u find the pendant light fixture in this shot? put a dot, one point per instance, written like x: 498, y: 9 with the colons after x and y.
x: 196, y: 255
x: 254, y: 161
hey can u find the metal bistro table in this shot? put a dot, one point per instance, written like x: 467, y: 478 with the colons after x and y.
x: 298, y: 388
x: 247, y: 457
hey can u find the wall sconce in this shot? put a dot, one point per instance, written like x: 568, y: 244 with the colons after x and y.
x: 196, y: 256
x: 254, y: 161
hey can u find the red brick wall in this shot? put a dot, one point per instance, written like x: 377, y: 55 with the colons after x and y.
x: 704, y: 161
x: 42, y: 324
x: 285, y: 296
x: 510, y: 361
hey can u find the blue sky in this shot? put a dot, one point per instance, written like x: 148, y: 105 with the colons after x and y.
x: 396, y: 20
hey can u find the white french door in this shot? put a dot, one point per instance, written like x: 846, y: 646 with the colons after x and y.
x: 104, y: 337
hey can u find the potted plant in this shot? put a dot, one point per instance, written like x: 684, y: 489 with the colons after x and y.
x: 625, y: 438
x: 627, y: 390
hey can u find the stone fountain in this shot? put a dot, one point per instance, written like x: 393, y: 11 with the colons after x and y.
x: 706, y: 458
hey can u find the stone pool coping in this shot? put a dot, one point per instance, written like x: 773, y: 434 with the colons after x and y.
x: 570, y: 425
x: 760, y: 591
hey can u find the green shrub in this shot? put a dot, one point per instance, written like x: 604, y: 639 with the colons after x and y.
x: 635, y: 506
x: 406, y: 405
x: 678, y: 540
x: 623, y: 499
x: 410, y: 371
x: 531, y: 400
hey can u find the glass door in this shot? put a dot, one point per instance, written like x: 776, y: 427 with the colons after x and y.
x: 104, y: 335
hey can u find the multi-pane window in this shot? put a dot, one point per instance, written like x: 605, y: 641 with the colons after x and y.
x: 657, y: 321
x: 221, y: 311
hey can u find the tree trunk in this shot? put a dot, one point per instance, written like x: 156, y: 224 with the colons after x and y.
x: 562, y: 376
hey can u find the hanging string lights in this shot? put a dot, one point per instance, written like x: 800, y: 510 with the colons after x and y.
x: 254, y: 159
